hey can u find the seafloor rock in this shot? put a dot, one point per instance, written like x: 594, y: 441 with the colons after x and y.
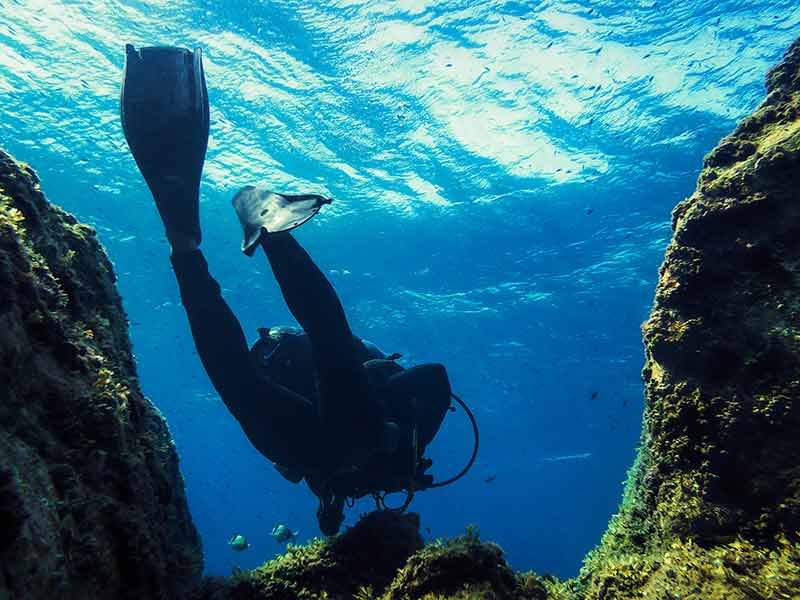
x: 365, y: 557
x: 382, y: 556
x: 92, y: 502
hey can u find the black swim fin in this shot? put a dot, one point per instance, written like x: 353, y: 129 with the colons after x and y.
x: 263, y: 211
x: 164, y: 109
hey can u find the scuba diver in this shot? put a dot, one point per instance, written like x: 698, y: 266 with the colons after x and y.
x: 320, y: 403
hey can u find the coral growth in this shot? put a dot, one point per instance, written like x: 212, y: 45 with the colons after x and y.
x: 91, y: 498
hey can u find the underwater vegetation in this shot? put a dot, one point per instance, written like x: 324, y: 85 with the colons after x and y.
x: 92, y: 502
x: 712, y: 505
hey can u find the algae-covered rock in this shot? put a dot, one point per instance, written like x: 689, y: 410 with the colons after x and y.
x: 382, y: 557
x: 363, y: 559
x: 91, y: 499
x: 712, y: 505
x: 463, y: 568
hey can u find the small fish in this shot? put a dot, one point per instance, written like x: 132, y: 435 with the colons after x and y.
x: 484, y: 72
x: 594, y: 396
x: 238, y: 543
x: 282, y: 534
x: 491, y: 478
x: 566, y: 458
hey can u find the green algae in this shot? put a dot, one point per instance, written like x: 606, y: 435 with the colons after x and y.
x: 91, y: 498
x: 711, y: 508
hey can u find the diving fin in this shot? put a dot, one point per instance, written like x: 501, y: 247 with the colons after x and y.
x: 164, y: 110
x: 262, y: 211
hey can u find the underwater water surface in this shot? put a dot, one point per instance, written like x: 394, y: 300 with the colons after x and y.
x: 503, y: 176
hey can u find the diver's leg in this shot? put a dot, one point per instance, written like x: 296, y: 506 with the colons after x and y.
x: 344, y: 392
x: 217, y: 334
x: 278, y: 422
x: 165, y: 118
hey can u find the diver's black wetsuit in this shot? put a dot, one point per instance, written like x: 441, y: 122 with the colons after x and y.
x: 313, y: 436
x: 332, y: 428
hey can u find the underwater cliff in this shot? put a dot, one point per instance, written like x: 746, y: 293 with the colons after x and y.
x: 712, y: 505
x: 92, y: 502
x: 91, y: 499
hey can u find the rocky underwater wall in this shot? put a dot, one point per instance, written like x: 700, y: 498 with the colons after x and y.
x: 92, y: 502
x: 712, y: 505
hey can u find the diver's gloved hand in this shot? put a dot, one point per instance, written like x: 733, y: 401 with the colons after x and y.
x: 164, y: 108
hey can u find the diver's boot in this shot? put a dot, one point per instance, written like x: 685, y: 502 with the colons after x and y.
x: 164, y: 108
x: 262, y: 212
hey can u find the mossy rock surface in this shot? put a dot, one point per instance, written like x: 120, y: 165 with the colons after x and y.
x: 366, y: 556
x: 712, y: 505
x: 92, y: 502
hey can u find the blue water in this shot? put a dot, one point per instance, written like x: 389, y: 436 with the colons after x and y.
x: 503, y: 174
